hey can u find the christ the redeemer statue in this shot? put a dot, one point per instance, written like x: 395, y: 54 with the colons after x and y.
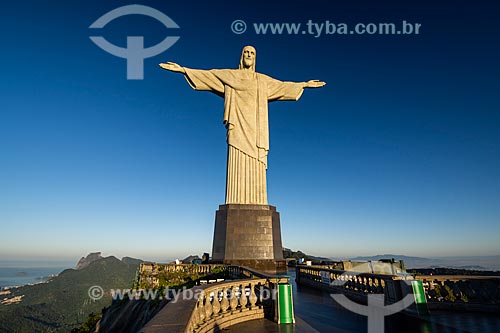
x: 246, y: 94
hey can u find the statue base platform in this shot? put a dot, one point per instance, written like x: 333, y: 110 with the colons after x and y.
x: 249, y: 235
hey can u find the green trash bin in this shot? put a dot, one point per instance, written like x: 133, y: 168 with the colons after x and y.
x: 419, y: 297
x: 285, y: 304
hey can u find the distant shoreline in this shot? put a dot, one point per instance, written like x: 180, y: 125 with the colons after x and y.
x: 5, y: 288
x: 11, y: 277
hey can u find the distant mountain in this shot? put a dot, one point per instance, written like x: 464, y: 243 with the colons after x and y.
x: 287, y: 253
x: 471, y: 262
x: 64, y: 303
x: 85, y: 261
x: 132, y: 261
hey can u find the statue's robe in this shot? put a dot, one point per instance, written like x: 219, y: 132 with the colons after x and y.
x: 246, y: 95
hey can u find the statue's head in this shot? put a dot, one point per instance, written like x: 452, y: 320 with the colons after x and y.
x: 247, y: 60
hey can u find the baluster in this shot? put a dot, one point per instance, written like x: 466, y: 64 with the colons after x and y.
x: 381, y: 286
x: 216, y: 304
x: 350, y: 282
x: 243, y: 297
x: 201, y: 309
x: 261, y: 291
x: 253, y: 297
x: 234, y: 300
x: 208, y: 307
x: 224, y: 302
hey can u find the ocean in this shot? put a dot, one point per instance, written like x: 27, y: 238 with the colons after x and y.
x: 23, y: 273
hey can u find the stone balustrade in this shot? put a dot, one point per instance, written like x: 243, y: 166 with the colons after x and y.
x: 150, y: 267
x: 462, y: 293
x: 150, y: 275
x: 213, y: 307
x: 229, y: 303
x: 354, y: 284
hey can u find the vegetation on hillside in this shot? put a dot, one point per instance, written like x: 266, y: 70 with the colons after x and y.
x: 64, y: 303
x: 130, y: 315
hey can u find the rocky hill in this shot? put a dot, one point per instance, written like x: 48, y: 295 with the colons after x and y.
x: 63, y: 303
x: 90, y: 258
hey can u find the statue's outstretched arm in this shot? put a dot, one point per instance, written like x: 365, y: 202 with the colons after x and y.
x: 314, y: 84
x: 198, y: 79
x: 173, y: 67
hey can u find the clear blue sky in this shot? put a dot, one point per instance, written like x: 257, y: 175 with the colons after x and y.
x: 399, y: 153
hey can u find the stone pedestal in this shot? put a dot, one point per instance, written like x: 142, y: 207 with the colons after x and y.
x: 248, y: 235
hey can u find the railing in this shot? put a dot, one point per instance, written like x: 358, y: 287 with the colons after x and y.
x: 354, y: 284
x: 462, y: 293
x: 225, y: 304
x: 149, y: 274
x: 362, y: 282
x: 148, y: 267
x: 213, y: 307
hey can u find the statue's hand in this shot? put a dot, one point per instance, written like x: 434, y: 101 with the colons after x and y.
x: 314, y: 84
x: 172, y: 66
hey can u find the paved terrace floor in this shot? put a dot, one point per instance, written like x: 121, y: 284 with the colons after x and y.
x: 315, y: 311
